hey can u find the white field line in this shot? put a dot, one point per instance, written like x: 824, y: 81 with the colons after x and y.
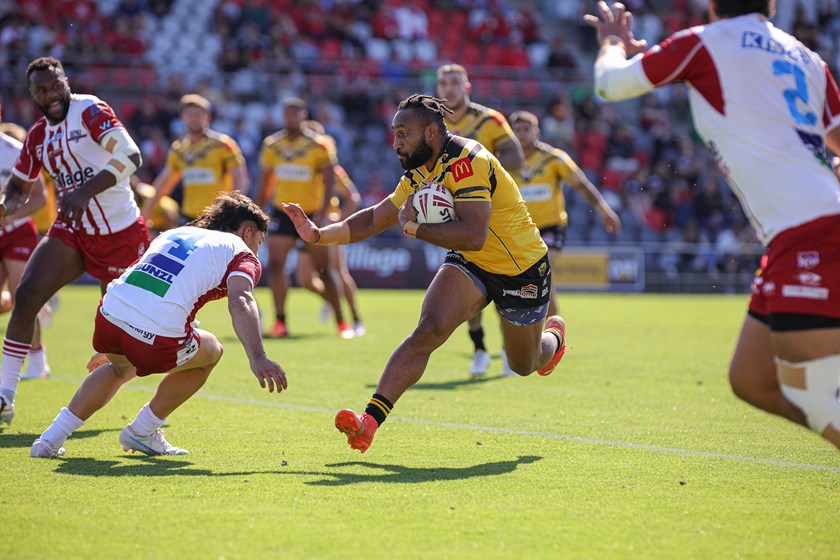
x: 526, y: 433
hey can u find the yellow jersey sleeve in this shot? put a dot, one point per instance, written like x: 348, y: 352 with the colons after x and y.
x: 400, y: 194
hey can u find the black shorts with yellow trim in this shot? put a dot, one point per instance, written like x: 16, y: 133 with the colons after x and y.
x: 554, y: 236
x: 522, y: 299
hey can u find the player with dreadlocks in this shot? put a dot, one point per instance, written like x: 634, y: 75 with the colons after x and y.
x: 495, y: 254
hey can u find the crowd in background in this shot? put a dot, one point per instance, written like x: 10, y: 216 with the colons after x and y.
x: 354, y: 60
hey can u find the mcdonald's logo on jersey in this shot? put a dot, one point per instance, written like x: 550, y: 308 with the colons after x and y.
x: 461, y: 169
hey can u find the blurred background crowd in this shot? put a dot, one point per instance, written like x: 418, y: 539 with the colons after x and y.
x: 354, y: 60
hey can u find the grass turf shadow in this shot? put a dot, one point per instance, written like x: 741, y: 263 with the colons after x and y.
x: 25, y: 440
x: 403, y: 474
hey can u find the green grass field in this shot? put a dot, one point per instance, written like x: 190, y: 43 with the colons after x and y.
x: 633, y: 448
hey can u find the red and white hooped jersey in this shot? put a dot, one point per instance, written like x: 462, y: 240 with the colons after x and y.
x: 71, y: 153
x: 763, y: 103
x: 182, y: 269
x: 9, y: 152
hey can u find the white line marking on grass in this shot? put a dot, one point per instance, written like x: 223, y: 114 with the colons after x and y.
x: 496, y: 430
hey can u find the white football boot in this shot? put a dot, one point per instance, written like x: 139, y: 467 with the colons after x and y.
x: 7, y: 407
x: 480, y: 363
x: 153, y: 444
x: 42, y: 448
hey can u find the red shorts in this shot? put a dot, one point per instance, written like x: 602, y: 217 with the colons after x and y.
x: 18, y: 244
x: 800, y: 273
x: 105, y: 256
x: 148, y: 352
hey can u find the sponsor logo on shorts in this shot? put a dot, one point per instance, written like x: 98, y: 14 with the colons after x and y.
x: 525, y: 292
x: 769, y: 288
x: 461, y: 169
x: 809, y: 278
x: 187, y: 351
x: 806, y: 292
x: 807, y: 259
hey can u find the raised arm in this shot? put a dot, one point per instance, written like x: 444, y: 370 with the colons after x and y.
x: 246, y: 323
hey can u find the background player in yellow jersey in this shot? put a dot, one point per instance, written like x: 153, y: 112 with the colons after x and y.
x: 490, y: 128
x: 496, y: 254
x: 296, y: 165
x: 343, y: 203
x: 541, y: 182
x: 205, y: 161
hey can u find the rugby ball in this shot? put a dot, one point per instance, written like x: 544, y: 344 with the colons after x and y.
x: 434, y: 205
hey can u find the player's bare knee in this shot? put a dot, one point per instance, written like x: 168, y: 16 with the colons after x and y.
x: 429, y: 333
x: 522, y: 367
x: 740, y: 387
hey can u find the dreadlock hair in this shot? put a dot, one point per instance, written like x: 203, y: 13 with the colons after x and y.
x: 431, y: 109
x: 45, y: 63
x: 228, y: 211
x: 733, y: 8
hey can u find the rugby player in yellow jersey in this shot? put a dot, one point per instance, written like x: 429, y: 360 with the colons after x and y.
x: 495, y: 254
x: 205, y: 161
x: 345, y: 201
x: 541, y: 182
x: 296, y: 165
x: 490, y: 128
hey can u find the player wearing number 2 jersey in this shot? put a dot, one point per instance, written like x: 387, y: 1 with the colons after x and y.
x: 90, y: 156
x: 144, y: 323
x: 766, y: 107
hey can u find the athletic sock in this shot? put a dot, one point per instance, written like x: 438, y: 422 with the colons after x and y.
x: 379, y: 407
x: 64, y: 424
x: 13, y: 355
x: 146, y: 422
x: 477, y: 337
x: 281, y: 317
x: 37, y: 359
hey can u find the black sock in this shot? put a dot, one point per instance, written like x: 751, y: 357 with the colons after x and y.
x: 379, y: 407
x: 477, y: 337
x: 281, y: 317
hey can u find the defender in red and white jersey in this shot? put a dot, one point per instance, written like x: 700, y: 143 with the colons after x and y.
x: 85, y: 148
x: 143, y: 325
x: 767, y: 108
x: 18, y: 239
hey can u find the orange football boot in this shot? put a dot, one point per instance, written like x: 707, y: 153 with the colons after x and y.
x: 555, y: 324
x: 359, y: 429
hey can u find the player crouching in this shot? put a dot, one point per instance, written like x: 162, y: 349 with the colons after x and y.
x: 144, y: 323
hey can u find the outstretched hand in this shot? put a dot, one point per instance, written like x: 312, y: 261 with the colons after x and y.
x: 616, y: 23
x: 306, y: 228
x: 269, y: 373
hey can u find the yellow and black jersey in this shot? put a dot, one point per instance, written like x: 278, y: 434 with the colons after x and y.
x: 296, y: 166
x: 541, y: 180
x: 483, y: 124
x: 205, y: 167
x: 471, y: 173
